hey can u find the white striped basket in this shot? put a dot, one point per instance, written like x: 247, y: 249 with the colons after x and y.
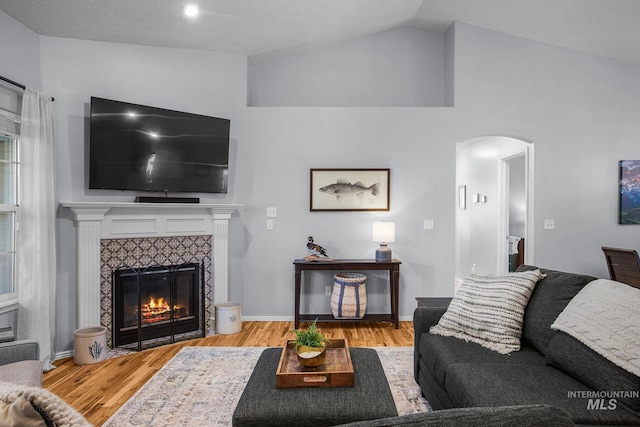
x: 349, y: 296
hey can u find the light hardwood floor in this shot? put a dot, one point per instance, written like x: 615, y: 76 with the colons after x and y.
x: 98, y: 390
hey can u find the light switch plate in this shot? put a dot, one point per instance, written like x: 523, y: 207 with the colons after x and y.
x: 428, y: 224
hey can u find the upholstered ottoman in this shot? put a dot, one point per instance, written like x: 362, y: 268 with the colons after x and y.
x: 262, y: 404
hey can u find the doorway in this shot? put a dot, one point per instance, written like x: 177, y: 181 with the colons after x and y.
x: 497, y: 175
x: 514, y: 187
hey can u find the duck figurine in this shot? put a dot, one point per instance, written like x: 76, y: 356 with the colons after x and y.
x: 315, y: 251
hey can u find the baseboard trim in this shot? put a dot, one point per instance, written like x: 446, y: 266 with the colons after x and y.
x: 290, y: 318
x: 268, y: 318
x: 64, y: 354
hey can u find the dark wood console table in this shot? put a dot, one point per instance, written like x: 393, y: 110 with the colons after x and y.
x: 393, y: 267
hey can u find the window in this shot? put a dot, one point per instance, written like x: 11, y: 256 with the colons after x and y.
x: 9, y: 208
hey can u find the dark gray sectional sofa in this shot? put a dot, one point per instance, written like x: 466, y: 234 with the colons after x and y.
x: 503, y: 416
x: 551, y: 368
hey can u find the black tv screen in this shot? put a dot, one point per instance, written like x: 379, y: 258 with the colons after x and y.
x: 136, y: 147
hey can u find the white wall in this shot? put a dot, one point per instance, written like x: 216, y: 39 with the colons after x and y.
x: 403, y: 67
x: 517, y: 196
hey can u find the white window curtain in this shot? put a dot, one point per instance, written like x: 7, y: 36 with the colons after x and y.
x: 36, y: 236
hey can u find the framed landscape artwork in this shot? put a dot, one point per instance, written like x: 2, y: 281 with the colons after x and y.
x: 629, y: 212
x: 349, y: 189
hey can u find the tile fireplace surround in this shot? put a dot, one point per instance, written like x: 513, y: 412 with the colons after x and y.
x: 140, y: 253
x: 97, y: 221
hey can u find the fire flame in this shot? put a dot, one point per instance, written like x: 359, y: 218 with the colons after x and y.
x: 158, y: 303
x: 158, y: 309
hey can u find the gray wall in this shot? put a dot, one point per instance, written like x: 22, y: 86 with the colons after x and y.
x: 579, y: 110
x: 404, y: 67
x: 20, y: 52
x: 287, y: 142
x: 200, y: 82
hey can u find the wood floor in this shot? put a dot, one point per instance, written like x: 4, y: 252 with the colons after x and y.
x: 98, y: 390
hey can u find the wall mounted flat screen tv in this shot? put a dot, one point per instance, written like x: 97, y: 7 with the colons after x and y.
x: 136, y: 147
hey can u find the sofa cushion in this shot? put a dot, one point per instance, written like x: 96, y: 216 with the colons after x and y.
x: 26, y: 372
x: 440, y: 352
x: 432, y: 389
x: 488, y: 310
x: 604, y: 316
x: 507, y: 416
x: 550, y: 296
x: 590, y: 368
x: 499, y: 384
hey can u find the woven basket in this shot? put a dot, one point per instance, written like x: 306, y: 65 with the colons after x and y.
x: 349, y: 296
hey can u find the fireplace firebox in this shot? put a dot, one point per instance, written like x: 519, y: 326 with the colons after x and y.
x: 157, y: 302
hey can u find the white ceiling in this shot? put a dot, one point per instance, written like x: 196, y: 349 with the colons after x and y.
x: 265, y: 29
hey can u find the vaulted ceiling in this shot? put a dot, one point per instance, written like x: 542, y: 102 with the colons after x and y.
x: 265, y: 29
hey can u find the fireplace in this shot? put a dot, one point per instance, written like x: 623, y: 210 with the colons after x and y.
x: 110, y: 235
x: 157, y: 302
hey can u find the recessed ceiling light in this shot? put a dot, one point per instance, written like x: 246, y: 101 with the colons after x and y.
x: 191, y: 10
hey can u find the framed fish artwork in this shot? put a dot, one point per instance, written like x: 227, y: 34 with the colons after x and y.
x: 349, y: 189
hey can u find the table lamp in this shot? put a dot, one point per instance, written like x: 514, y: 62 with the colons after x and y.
x: 383, y: 233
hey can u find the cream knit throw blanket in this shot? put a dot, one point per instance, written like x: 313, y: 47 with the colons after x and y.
x: 61, y: 414
x: 605, y: 316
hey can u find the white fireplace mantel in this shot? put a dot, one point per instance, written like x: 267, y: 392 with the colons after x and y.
x: 104, y: 220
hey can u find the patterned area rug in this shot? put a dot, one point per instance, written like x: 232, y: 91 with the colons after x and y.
x: 201, y: 386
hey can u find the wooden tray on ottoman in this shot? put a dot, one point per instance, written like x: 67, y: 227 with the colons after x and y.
x: 337, y: 370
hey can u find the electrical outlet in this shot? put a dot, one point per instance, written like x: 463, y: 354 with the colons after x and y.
x: 327, y: 291
x: 269, y: 224
x: 549, y: 224
x: 428, y: 224
x: 272, y: 212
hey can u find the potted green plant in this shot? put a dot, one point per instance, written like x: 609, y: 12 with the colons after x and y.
x: 310, y: 346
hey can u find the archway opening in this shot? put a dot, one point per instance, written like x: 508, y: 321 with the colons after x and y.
x: 494, y: 176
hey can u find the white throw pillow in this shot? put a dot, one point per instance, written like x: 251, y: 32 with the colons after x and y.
x: 489, y: 309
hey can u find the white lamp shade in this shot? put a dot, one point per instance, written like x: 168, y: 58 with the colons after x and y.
x: 384, y: 232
